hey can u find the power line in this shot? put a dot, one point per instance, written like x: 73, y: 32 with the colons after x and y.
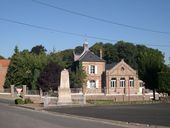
x: 100, y: 19
x: 69, y: 33
x: 155, y: 45
x: 55, y: 30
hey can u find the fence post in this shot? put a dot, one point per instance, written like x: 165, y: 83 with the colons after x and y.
x: 84, y: 99
x: 12, y: 91
x: 41, y: 93
x: 24, y: 89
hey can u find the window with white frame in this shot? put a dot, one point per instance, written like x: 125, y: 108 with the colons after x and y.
x: 92, y: 69
x: 113, y: 82
x: 122, y: 82
x: 131, y: 82
x: 92, y: 84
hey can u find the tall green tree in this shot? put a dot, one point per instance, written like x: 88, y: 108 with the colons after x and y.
x: 63, y: 58
x: 97, y: 47
x: 67, y: 57
x: 110, y: 53
x: 108, y: 49
x: 50, y: 77
x: 24, y: 68
x: 77, y: 75
x: 1, y: 57
x: 78, y: 50
x: 150, y: 62
x: 128, y: 52
x: 164, y: 80
x: 39, y: 49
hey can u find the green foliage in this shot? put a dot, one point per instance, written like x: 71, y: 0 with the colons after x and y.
x: 150, y: 63
x: 78, y: 50
x: 96, y: 48
x: 77, y: 76
x: 110, y: 54
x: 114, y: 53
x: 50, y: 77
x: 1, y: 57
x: 19, y: 101
x: 63, y: 58
x: 28, y: 101
x: 16, y: 50
x: 128, y: 52
x: 39, y: 49
x: 24, y: 69
x: 23, y: 101
x: 164, y: 82
x: 67, y: 57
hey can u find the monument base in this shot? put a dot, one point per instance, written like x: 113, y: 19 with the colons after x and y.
x: 64, y: 96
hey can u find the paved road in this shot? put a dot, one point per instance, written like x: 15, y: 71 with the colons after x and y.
x: 13, y: 117
x: 155, y: 114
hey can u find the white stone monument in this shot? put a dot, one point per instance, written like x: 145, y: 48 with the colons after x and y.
x: 64, y: 92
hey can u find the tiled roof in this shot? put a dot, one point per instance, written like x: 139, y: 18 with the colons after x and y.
x: 110, y: 66
x: 4, y: 62
x: 90, y: 57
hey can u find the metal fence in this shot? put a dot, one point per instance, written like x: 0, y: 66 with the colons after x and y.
x: 7, y: 90
x: 76, y: 90
x: 33, y: 92
x: 51, y: 93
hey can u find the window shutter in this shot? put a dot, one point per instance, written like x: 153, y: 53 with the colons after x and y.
x: 97, y: 83
x: 89, y: 69
x: 95, y: 69
x: 88, y: 84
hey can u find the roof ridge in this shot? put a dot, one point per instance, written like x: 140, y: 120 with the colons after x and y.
x: 90, y: 56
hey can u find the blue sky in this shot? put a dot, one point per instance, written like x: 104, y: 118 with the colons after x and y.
x: 149, y: 14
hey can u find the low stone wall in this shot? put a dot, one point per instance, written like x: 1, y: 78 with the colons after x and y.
x: 93, y: 91
x: 118, y: 98
x: 78, y: 98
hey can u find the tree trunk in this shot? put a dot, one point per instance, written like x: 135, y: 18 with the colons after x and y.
x: 154, y: 94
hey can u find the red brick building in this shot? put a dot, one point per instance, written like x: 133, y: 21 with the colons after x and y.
x: 119, y: 77
x: 4, y: 63
x: 94, y: 67
x: 122, y: 79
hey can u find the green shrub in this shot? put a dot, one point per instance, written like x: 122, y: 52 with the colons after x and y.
x: 19, y: 101
x: 28, y: 101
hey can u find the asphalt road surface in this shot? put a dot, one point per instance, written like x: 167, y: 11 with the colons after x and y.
x: 152, y: 114
x: 13, y: 117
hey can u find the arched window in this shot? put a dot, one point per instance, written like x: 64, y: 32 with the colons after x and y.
x: 131, y: 82
x: 113, y: 82
x: 122, y: 82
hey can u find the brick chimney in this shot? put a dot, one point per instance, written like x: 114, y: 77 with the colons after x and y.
x: 101, y: 54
